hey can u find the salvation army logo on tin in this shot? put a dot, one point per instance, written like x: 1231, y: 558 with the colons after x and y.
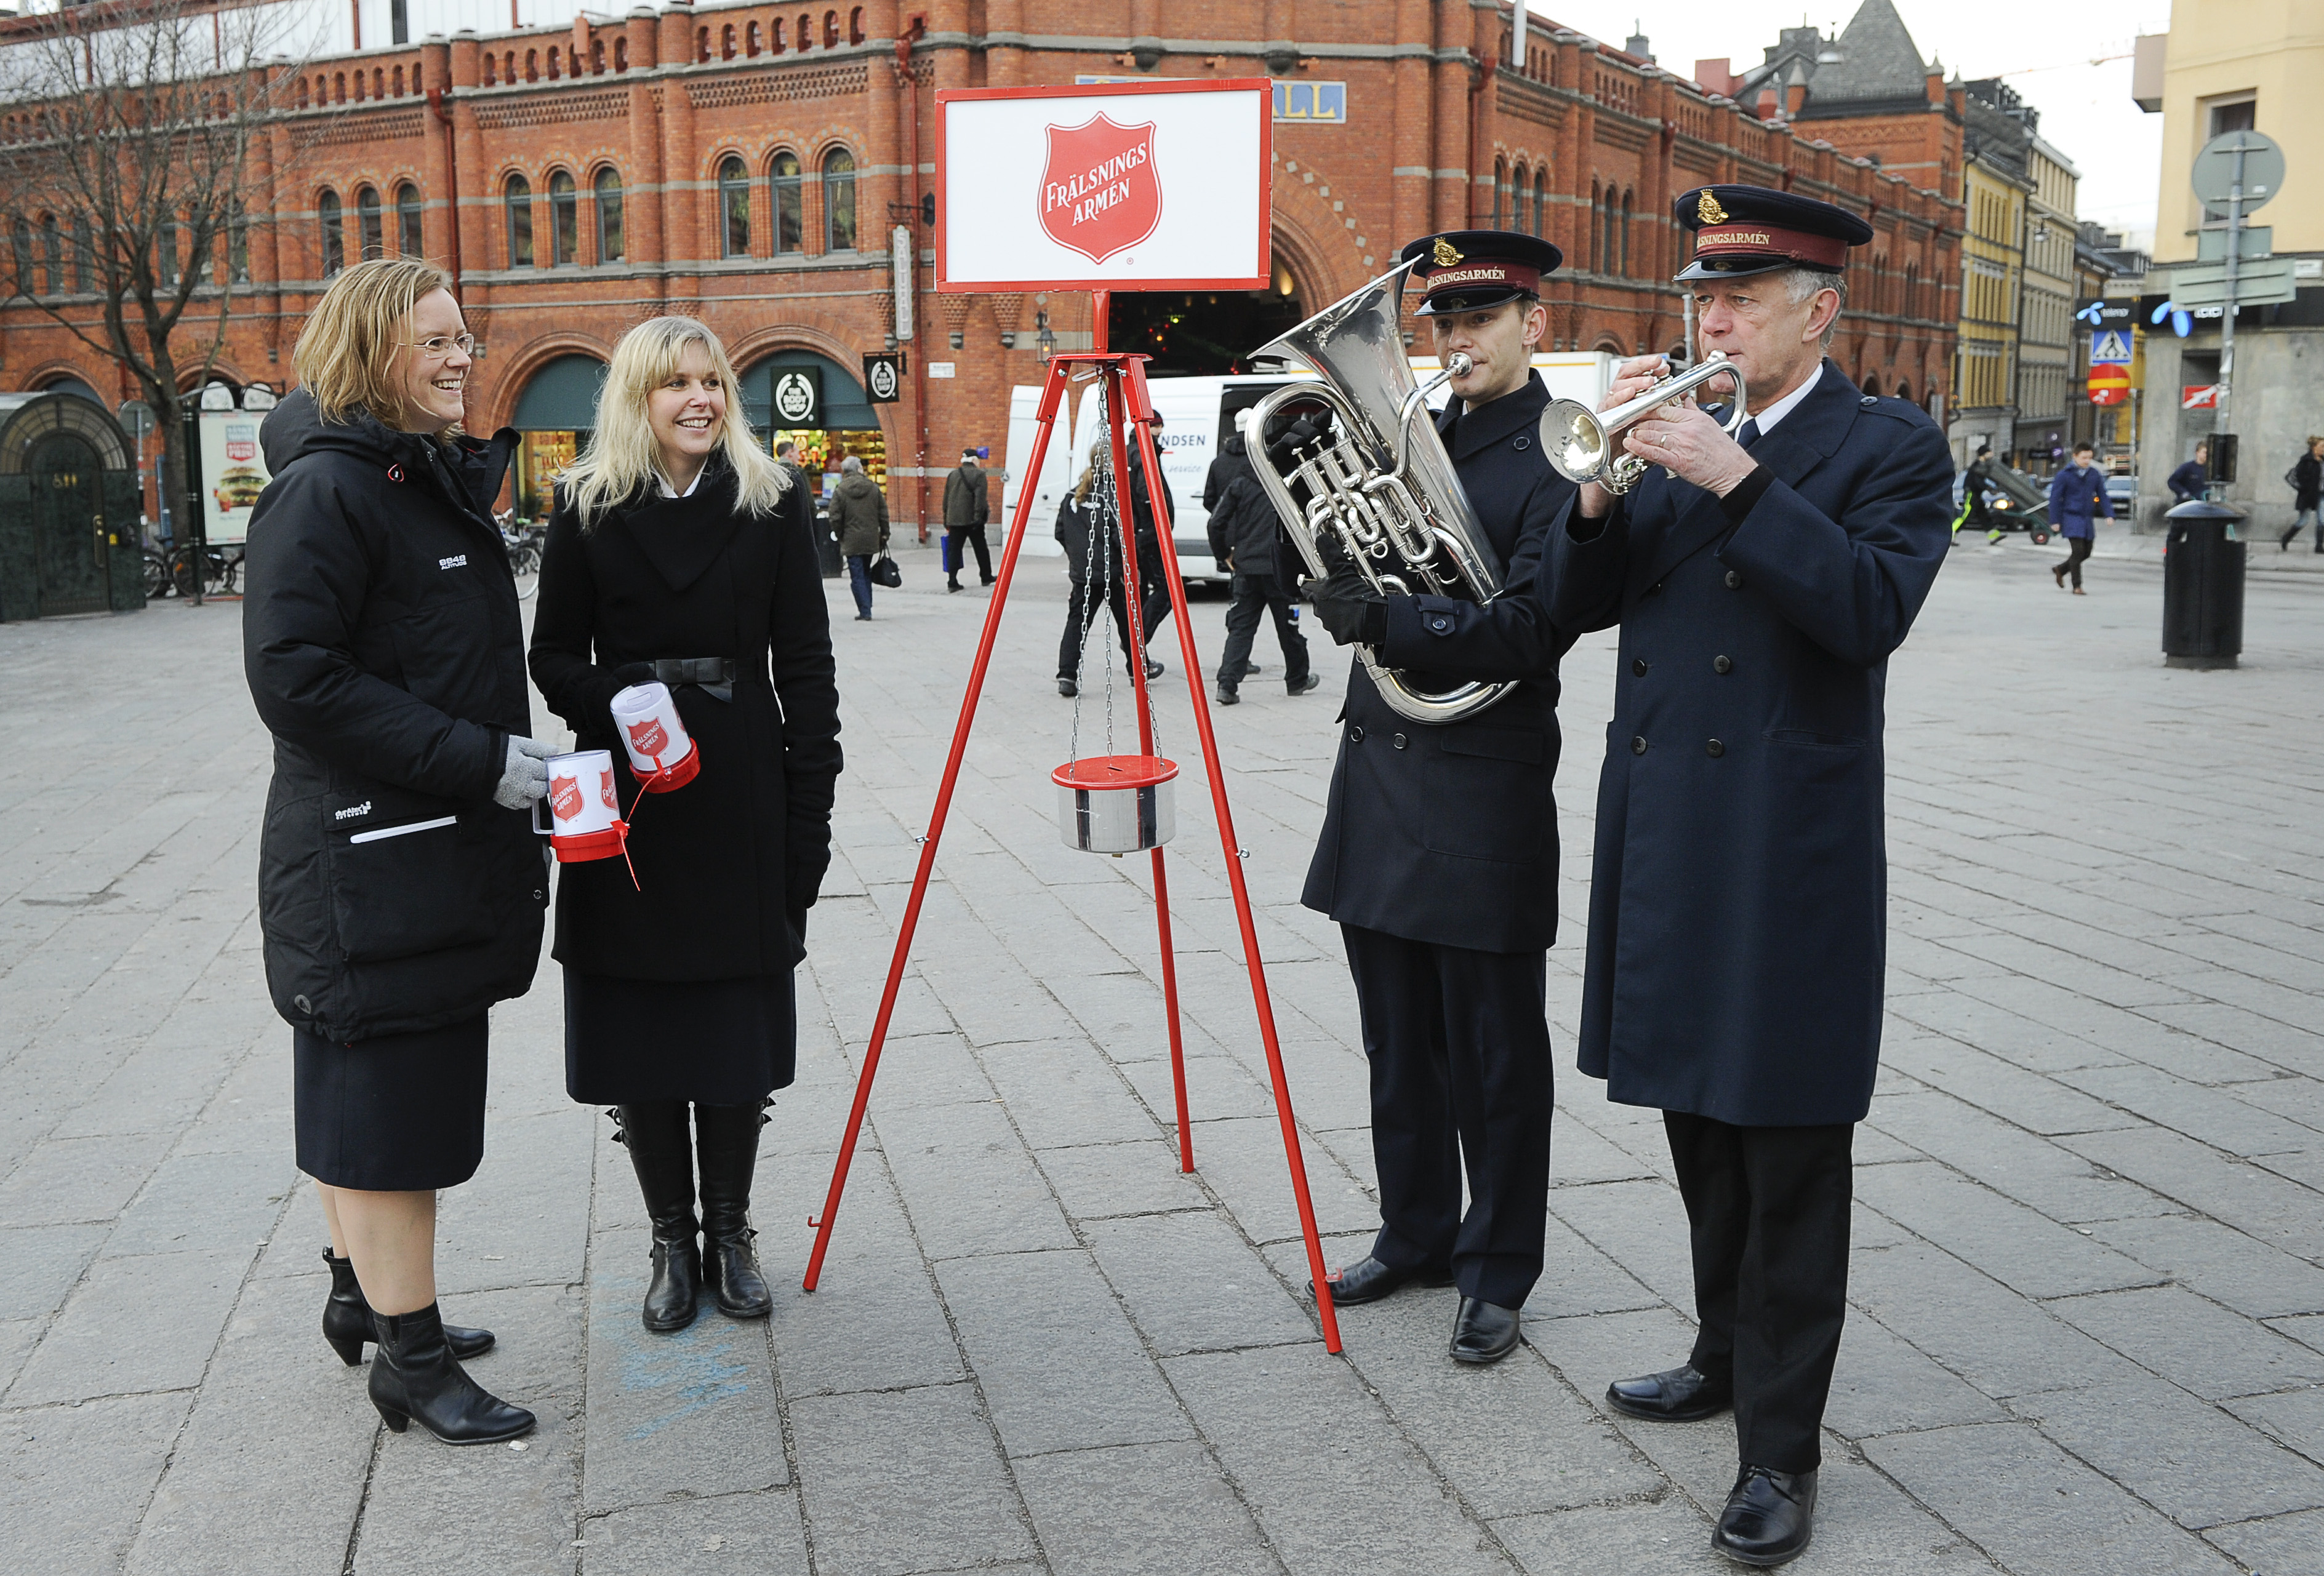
x: 1101, y: 193
x: 646, y: 736
x: 565, y: 798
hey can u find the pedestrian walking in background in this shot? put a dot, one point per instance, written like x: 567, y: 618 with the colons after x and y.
x: 1081, y: 517
x: 859, y: 515
x: 400, y: 883
x: 2188, y: 482
x: 1975, y: 482
x: 965, y: 512
x: 1247, y: 539
x: 674, y: 556
x: 2307, y: 479
x: 2078, y: 500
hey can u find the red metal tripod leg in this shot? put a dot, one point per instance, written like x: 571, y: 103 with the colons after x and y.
x: 1052, y: 393
x: 1125, y: 511
x: 1135, y: 375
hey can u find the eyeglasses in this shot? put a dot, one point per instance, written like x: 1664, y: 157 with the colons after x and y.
x: 442, y: 345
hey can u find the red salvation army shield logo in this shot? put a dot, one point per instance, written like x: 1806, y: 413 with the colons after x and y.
x: 565, y: 798
x: 647, y: 737
x: 1101, y: 193
x: 605, y: 791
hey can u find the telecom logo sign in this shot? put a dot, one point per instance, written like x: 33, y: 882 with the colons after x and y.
x: 1101, y: 193
x: 795, y: 398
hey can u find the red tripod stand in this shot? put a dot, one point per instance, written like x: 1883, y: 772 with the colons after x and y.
x: 1127, y: 408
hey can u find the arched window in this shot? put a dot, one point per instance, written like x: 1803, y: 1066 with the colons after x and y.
x: 52, y: 256
x: 727, y: 42
x: 1625, y: 233
x: 734, y: 203
x: 702, y: 45
x: 790, y: 210
x: 367, y: 224
x: 556, y: 65
x: 533, y: 65
x: 407, y: 234
x: 398, y: 80
x: 302, y: 92
x: 491, y: 69
x: 23, y: 236
x: 335, y: 236
x: 621, y: 54
x: 831, y: 30
x: 776, y: 32
x: 839, y: 199
x: 1596, y: 248
x: 1904, y: 392
x: 805, y: 30
x: 564, y: 220
x: 1500, y: 185
x: 378, y: 82
x: 359, y: 87
x: 517, y: 196
x: 338, y: 87
x: 596, y: 56
x: 1870, y: 385
x: 608, y: 187
x: 855, y: 25
x: 750, y: 44
x: 1541, y: 202
x: 84, y: 256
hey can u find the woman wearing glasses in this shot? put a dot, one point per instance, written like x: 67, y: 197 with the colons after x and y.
x: 400, y: 886
x: 681, y: 553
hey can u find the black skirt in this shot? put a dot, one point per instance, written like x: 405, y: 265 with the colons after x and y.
x: 400, y: 1113
x: 714, y: 1042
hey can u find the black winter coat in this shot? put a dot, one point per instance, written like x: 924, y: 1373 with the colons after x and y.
x: 384, y: 651
x: 1448, y: 833
x: 1244, y: 527
x: 729, y: 863
x: 1737, y: 896
x: 2308, y: 482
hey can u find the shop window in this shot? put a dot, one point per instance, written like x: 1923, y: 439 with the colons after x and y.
x: 839, y: 201
x: 335, y: 236
x: 408, y: 232
x: 518, y: 199
x: 735, y: 203
x: 367, y: 224
x: 608, y: 187
x: 790, y: 207
x: 564, y: 220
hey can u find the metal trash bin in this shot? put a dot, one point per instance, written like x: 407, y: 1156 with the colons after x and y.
x: 2202, y: 586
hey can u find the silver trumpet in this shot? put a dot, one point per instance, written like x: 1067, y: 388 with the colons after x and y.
x: 1583, y: 442
x: 1377, y: 479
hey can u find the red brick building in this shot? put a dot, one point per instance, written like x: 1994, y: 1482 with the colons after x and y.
x: 750, y: 162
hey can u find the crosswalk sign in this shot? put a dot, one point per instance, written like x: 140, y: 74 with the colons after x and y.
x: 2111, y: 347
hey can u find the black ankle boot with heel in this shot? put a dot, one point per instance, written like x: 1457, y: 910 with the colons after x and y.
x: 347, y: 1319
x: 654, y: 1133
x: 417, y: 1376
x: 727, y: 1139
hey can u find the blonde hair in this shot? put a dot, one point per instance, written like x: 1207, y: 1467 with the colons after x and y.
x: 623, y: 457
x: 1089, y: 473
x: 347, y: 354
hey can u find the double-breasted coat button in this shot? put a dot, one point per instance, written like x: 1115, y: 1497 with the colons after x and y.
x: 1440, y: 623
x: 1638, y: 667
x: 1721, y: 665
x: 1398, y: 741
x: 1733, y: 579
x: 1715, y: 748
x: 1639, y: 745
x: 1356, y: 734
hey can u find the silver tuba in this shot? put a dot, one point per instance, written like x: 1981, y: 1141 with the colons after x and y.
x: 1580, y: 442
x: 1377, y: 479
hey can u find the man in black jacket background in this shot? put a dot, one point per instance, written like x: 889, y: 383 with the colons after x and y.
x: 1247, y: 539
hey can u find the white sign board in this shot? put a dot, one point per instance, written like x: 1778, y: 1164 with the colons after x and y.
x: 1151, y: 186
x: 233, y: 473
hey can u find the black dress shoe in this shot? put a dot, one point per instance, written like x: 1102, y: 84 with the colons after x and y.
x: 1484, y: 1333
x: 1154, y: 669
x: 1227, y: 698
x: 1680, y: 1395
x: 1304, y: 686
x: 1068, y: 689
x: 1368, y: 1280
x: 1769, y: 1518
x: 347, y: 1319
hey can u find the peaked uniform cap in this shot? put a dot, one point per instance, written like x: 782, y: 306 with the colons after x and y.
x: 1467, y: 271
x: 1742, y: 230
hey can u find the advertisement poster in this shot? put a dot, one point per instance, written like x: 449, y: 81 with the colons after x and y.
x: 233, y: 473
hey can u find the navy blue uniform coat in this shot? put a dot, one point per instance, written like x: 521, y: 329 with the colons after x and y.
x: 1447, y: 833
x: 1738, y: 898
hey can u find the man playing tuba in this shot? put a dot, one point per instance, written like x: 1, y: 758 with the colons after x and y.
x: 1438, y: 856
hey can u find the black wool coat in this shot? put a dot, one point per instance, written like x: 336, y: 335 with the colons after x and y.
x: 384, y: 651
x: 1243, y: 524
x: 1448, y: 833
x: 1739, y: 891
x: 728, y: 865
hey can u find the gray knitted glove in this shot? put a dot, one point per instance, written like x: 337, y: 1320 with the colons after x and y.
x: 525, y: 778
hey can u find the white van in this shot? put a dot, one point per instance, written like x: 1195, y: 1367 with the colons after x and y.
x: 1197, y: 415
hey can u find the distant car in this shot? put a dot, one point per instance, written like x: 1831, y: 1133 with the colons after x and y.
x: 2121, y: 491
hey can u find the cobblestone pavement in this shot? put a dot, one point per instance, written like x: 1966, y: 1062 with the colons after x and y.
x: 2088, y: 1276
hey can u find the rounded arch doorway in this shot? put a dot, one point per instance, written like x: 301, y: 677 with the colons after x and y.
x: 1206, y: 333
x: 554, y: 418
x: 815, y: 404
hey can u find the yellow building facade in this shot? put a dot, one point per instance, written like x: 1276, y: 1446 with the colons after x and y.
x: 1992, y: 261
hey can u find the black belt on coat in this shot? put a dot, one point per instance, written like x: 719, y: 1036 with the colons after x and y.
x: 713, y: 675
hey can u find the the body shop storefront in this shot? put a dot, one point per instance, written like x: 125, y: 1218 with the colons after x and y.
x: 820, y: 406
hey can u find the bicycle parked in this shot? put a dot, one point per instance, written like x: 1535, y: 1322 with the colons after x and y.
x: 523, y: 539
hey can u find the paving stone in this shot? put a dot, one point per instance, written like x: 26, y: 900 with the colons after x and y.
x: 1577, y: 1278
x: 2252, y: 1200
x: 969, y: 1182
x: 1883, y: 1384
x: 38, y: 1264
x: 1192, y: 1285
x: 1141, y: 1510
x: 1986, y: 1479
x: 2197, y: 1464
x: 524, y: 1219
x: 74, y: 1479
x: 2280, y: 1545
x: 1100, y: 1182
x: 906, y: 1480
x: 2208, y: 1116
x: 2295, y: 1416
x: 107, y: 1341
x: 2028, y: 1100
x: 2221, y: 1263
x: 683, y: 1414
x: 1035, y: 1327
x: 758, y: 1532
x: 1641, y: 1226
x: 2023, y: 1250
x: 1974, y: 1326
x: 222, y: 1202
x: 1665, y: 1537
x: 1335, y: 1485
x: 1242, y: 1161
x: 2193, y: 1343
x: 1063, y: 1091
x: 69, y: 1180
x: 2033, y: 1170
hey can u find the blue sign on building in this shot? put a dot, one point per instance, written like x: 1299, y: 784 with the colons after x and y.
x: 1325, y: 102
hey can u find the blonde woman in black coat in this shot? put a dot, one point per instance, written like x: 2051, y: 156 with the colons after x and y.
x: 675, y: 555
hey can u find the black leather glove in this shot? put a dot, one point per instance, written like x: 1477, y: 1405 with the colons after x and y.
x: 1351, y: 612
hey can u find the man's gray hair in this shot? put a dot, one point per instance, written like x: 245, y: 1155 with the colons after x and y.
x: 1801, y: 285
x: 851, y: 466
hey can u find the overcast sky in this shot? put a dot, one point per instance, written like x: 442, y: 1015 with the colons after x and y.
x: 2046, y: 49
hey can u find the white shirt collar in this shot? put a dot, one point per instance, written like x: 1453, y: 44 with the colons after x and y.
x: 668, y: 490
x: 1784, y: 407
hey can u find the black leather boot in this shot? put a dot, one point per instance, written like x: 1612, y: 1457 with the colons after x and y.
x: 727, y: 1139
x: 347, y: 1319
x: 659, y: 1147
x: 417, y: 1376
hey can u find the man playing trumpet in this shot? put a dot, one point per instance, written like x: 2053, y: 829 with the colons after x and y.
x: 1736, y: 922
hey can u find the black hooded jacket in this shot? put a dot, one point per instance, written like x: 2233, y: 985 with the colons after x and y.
x: 384, y: 650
